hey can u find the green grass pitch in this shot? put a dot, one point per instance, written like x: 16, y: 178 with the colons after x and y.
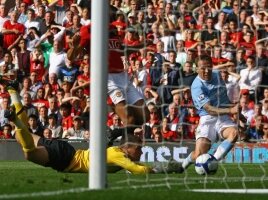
x: 24, y: 180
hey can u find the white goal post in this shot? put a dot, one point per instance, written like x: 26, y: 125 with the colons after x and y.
x: 98, y: 88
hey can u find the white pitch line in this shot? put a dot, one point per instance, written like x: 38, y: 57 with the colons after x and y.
x: 40, y: 194
x: 238, y: 191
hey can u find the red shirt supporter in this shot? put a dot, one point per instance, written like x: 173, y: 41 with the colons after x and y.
x: 5, y: 136
x: 249, y: 47
x: 248, y: 44
x: 17, y: 29
x: 217, y: 61
x: 121, y: 26
x: 167, y: 133
x: 189, y: 43
x: 67, y: 122
x: 236, y: 37
x: 85, y: 36
x: 38, y: 67
x: 84, y: 78
x: 192, y: 120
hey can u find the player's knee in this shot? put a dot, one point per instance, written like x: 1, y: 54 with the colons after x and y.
x: 195, y: 154
x: 233, y: 135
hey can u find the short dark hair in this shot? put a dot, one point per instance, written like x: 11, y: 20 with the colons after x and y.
x: 204, y: 57
x: 66, y: 105
x: 52, y: 116
x: 7, y: 125
x: 33, y: 116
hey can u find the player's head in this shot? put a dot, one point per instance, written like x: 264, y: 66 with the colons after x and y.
x: 204, y: 67
x: 131, y: 145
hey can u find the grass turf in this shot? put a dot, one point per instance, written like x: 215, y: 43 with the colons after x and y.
x: 24, y: 180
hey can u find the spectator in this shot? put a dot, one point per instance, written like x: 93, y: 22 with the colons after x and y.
x: 43, y: 117
x: 46, y: 23
x: 40, y: 100
x: 265, y: 132
x: 47, y: 133
x: 23, y: 7
x: 257, y: 114
x: 191, y: 123
x: 210, y: 36
x: 188, y: 75
x: 33, y: 125
x: 250, y: 77
x: 76, y: 131
x: 12, y: 30
x: 5, y: 133
x: 167, y: 133
x: 67, y: 119
x: 116, y: 122
x: 28, y: 106
x: 245, y: 110
x: 257, y: 131
x: 181, y: 54
x: 158, y: 137
x: 37, y: 65
x: 58, y: 57
x: 54, y: 126
x: 67, y: 73
x: 3, y: 108
x: 30, y: 22
x: 154, y: 119
x: 151, y: 96
x: 23, y: 59
x: 26, y: 88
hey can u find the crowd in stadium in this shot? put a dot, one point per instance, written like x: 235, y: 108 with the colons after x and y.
x: 163, y: 38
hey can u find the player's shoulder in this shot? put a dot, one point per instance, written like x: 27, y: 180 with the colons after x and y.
x: 114, y: 150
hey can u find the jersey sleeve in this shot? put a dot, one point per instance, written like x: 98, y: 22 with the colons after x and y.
x: 199, y: 95
x: 118, y: 158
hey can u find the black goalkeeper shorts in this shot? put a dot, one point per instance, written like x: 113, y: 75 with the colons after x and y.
x: 60, y: 153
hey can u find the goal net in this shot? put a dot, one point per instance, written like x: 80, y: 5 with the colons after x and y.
x: 162, y: 41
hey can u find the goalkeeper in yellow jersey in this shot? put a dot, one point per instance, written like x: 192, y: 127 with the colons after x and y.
x: 61, y: 156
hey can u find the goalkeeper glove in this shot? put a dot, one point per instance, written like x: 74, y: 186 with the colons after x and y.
x: 168, y: 167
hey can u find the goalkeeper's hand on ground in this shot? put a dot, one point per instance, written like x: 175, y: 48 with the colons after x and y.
x: 167, y: 167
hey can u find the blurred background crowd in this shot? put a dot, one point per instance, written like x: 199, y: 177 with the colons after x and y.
x: 165, y: 37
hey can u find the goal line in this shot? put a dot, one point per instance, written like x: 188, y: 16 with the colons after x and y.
x: 237, y: 191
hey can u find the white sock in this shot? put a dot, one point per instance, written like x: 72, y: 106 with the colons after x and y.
x: 187, y: 161
x: 223, y: 149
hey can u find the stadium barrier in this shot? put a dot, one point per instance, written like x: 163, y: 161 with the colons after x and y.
x: 255, y: 152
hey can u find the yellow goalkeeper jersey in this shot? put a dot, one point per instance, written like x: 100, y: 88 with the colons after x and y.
x: 116, y: 160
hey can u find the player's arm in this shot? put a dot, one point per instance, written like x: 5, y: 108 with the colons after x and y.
x: 129, y: 165
x: 220, y: 111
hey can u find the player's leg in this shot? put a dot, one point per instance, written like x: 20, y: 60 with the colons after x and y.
x: 205, y: 135
x: 38, y: 155
x: 141, y: 112
x: 20, y: 119
x: 121, y: 109
x: 230, y: 135
x: 202, y: 146
x: 136, y: 105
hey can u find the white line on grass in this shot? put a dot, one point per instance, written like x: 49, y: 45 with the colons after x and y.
x: 238, y: 191
x: 39, y: 194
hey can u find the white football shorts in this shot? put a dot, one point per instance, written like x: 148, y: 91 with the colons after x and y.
x: 210, y: 127
x: 120, y: 88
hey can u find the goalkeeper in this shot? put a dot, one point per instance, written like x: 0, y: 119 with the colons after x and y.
x: 61, y: 156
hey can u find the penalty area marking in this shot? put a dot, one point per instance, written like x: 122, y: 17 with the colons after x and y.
x: 238, y: 191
